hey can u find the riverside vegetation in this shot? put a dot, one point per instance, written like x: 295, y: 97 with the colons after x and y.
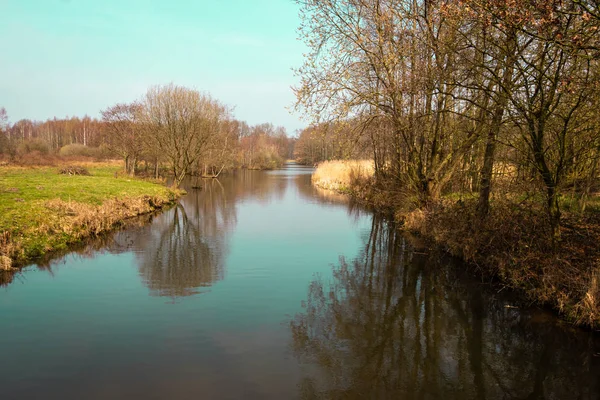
x: 481, y: 118
x: 43, y: 211
x: 513, y: 244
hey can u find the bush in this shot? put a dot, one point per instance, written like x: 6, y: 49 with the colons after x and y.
x: 30, y: 146
x: 36, y: 158
x: 6, y: 147
x: 80, y: 150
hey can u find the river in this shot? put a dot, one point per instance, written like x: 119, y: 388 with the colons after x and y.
x: 260, y: 286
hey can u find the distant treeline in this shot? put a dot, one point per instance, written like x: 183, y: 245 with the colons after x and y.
x: 332, y: 141
x: 172, y: 127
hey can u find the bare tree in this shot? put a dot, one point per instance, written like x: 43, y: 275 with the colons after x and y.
x: 182, y: 123
x: 7, y: 145
x: 3, y: 119
x: 440, y: 87
x: 389, y: 62
x: 222, y: 152
x: 123, y: 133
x: 552, y: 97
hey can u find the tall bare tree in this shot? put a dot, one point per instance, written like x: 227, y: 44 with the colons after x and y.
x: 391, y: 62
x: 183, y: 124
x: 440, y: 88
x: 123, y: 133
x: 3, y: 130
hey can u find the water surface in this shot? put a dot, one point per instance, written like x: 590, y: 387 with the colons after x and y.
x: 260, y: 286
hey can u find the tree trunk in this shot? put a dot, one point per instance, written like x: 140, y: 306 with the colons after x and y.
x: 553, y: 212
x: 132, y: 165
x: 178, y: 180
x: 551, y: 185
x: 485, y: 183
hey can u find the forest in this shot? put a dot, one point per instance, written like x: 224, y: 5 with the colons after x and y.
x: 172, y: 130
x: 481, y: 119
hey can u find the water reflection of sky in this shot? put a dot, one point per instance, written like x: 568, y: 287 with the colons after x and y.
x: 225, y: 270
x: 291, y: 170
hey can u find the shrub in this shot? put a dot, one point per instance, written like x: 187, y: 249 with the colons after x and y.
x: 36, y: 158
x: 80, y: 150
x: 6, y: 146
x: 267, y: 160
x: 31, y: 146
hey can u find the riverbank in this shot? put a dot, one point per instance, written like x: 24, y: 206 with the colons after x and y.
x: 43, y: 211
x: 512, y: 245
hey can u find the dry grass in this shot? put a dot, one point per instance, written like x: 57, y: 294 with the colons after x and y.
x: 588, y: 309
x: 79, y: 220
x: 5, y: 263
x: 69, y: 222
x: 341, y: 175
x: 514, y: 245
x: 35, y: 158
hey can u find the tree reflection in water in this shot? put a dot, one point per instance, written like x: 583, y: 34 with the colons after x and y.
x: 397, y: 324
x: 183, y: 250
x: 178, y: 259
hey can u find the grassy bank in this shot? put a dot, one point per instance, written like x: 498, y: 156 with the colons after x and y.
x: 43, y: 211
x: 513, y: 244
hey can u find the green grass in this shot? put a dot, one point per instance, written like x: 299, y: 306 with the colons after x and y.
x: 32, y: 225
x: 568, y: 202
x: 573, y: 203
x: 458, y: 196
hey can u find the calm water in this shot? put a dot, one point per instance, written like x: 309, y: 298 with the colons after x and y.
x: 261, y: 287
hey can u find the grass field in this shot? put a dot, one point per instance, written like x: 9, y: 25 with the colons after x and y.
x: 42, y: 211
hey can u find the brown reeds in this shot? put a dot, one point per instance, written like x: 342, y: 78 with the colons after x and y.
x: 341, y: 175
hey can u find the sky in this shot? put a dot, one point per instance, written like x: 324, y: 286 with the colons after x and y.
x: 76, y: 57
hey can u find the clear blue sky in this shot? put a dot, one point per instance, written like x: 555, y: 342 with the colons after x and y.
x: 76, y: 57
